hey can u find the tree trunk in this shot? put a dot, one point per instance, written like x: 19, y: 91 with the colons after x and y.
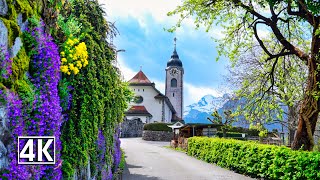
x: 291, y: 136
x: 293, y: 113
x: 224, y: 132
x: 308, y: 114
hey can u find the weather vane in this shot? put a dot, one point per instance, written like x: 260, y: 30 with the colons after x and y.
x: 175, y: 42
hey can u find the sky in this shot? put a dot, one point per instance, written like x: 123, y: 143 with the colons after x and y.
x: 141, y: 25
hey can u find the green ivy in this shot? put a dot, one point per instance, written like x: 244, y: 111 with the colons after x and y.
x: 99, y: 97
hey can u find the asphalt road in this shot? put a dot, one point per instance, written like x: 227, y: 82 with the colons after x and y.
x: 147, y: 160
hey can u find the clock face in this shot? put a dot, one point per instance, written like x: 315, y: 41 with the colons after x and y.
x: 173, y: 71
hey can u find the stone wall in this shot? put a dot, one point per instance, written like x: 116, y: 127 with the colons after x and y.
x: 131, y: 128
x: 13, y: 49
x: 157, y: 136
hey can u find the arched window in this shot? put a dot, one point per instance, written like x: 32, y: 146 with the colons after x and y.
x: 173, y: 82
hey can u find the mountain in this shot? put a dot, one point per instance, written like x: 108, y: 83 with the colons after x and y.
x: 200, y: 111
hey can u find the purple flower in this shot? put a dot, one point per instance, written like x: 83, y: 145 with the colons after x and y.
x: 5, y: 62
x: 46, y: 118
x: 117, y: 150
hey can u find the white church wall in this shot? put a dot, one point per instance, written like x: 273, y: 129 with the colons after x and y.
x: 153, y: 106
x: 168, y: 113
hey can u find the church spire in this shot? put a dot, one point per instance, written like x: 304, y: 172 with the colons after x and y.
x: 174, y: 61
x: 175, y: 44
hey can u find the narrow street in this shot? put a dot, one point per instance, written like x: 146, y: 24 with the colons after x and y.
x: 147, y: 160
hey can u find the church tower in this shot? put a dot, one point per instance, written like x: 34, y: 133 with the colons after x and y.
x: 174, y: 81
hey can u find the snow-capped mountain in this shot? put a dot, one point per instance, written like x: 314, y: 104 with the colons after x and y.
x: 198, y: 112
x: 207, y: 103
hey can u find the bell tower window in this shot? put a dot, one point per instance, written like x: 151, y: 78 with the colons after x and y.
x: 173, y: 82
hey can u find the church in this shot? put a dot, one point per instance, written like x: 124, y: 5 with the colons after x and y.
x: 149, y: 104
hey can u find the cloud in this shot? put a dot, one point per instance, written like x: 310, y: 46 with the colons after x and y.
x: 126, y: 72
x: 195, y: 93
x: 139, y: 9
x: 147, y: 13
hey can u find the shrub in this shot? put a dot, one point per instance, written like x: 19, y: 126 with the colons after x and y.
x: 231, y: 134
x: 157, y: 127
x: 256, y: 160
x: 250, y: 132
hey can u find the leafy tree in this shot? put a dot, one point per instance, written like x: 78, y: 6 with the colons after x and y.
x: 250, y: 77
x: 293, y: 23
x: 263, y: 132
x: 226, y: 124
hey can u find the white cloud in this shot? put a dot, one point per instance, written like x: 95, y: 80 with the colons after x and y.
x: 195, y: 93
x: 138, y: 9
x: 141, y: 10
x: 126, y: 72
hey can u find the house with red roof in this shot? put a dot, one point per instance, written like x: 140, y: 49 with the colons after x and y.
x: 149, y: 104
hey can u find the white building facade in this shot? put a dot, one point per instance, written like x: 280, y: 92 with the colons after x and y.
x: 149, y: 104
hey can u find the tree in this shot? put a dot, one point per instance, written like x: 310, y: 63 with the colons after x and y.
x: 226, y: 124
x: 263, y: 132
x: 250, y: 77
x: 293, y: 23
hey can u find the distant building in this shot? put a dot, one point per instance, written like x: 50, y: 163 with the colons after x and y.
x: 149, y: 104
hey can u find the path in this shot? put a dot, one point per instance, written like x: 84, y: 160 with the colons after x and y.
x: 148, y: 160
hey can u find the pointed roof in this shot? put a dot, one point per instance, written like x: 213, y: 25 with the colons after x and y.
x: 138, y: 110
x: 174, y: 61
x: 140, y: 78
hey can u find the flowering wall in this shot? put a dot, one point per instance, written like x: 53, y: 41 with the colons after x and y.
x: 57, y: 79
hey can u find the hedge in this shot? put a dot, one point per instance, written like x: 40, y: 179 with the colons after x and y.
x: 256, y: 160
x: 157, y: 127
x: 231, y: 134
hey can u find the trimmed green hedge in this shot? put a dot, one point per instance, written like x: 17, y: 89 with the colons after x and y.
x: 231, y: 134
x: 157, y: 127
x: 256, y: 160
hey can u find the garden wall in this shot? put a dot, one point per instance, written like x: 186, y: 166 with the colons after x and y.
x: 157, y: 135
x: 131, y: 128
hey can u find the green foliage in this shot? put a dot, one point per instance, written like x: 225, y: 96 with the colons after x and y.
x: 123, y: 160
x: 229, y: 119
x: 99, y: 97
x: 263, y: 132
x: 70, y: 26
x: 157, y: 127
x: 256, y: 160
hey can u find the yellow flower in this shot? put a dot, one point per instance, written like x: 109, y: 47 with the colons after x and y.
x: 75, y: 70
x: 63, y: 60
x: 70, y: 42
x: 85, y: 63
x: 64, y: 69
x: 71, y: 66
x: 68, y: 73
x: 62, y: 53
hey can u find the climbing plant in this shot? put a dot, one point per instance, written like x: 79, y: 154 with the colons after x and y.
x: 98, y: 95
x: 63, y: 85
